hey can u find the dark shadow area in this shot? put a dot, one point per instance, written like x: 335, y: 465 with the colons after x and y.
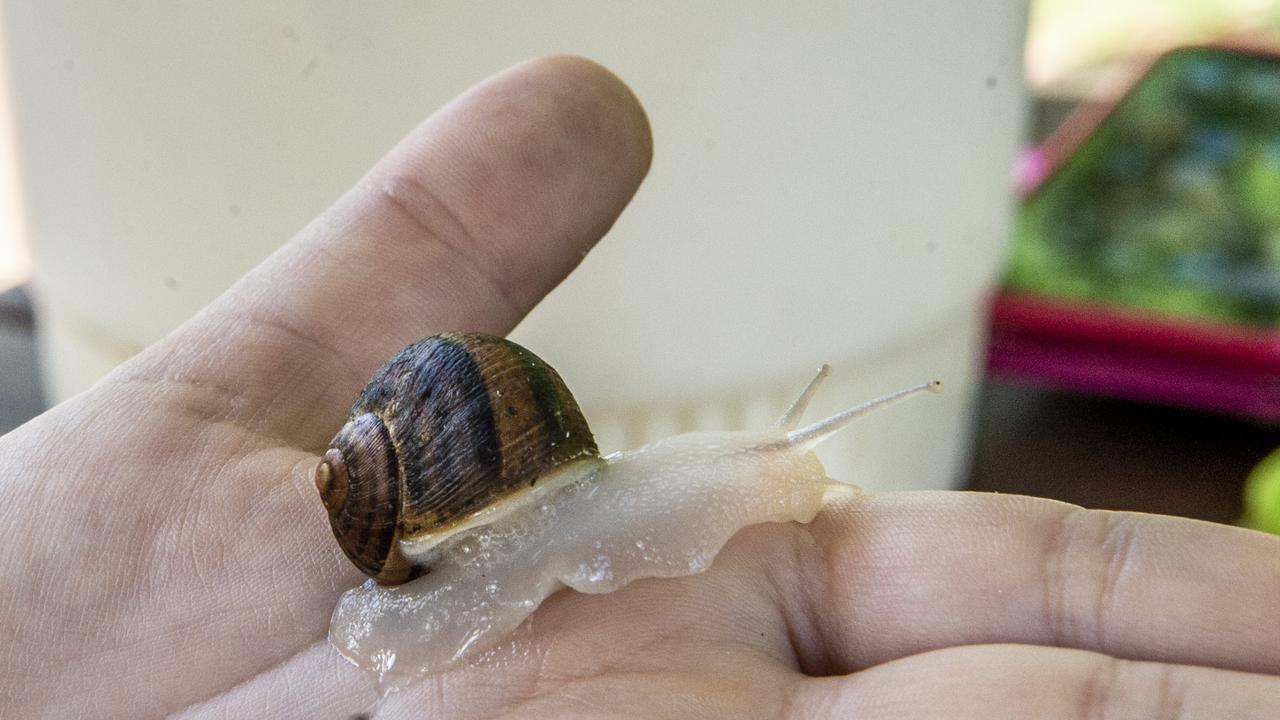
x: 20, y: 393
x: 1113, y: 454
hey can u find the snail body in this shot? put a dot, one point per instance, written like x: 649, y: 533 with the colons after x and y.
x: 583, y: 521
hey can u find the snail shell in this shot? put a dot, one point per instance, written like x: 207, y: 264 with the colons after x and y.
x: 450, y: 427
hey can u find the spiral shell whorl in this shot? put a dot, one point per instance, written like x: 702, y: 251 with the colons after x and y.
x: 469, y: 419
x: 359, y: 483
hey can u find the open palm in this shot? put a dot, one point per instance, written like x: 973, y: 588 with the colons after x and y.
x: 166, y: 553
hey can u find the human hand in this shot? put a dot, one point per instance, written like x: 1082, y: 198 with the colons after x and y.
x: 166, y: 552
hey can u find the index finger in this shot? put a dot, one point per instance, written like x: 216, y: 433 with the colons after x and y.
x: 904, y: 573
x: 466, y: 224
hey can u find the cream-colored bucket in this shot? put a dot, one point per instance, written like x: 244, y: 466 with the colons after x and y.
x: 830, y: 184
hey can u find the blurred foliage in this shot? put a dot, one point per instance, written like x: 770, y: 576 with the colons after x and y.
x: 1173, y: 204
x: 1262, y: 496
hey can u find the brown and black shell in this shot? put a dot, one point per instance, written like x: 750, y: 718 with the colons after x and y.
x: 448, y: 426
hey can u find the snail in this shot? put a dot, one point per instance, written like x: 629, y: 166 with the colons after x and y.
x: 467, y: 485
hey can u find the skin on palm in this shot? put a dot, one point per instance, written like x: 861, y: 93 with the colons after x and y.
x: 908, y: 592
x: 166, y: 552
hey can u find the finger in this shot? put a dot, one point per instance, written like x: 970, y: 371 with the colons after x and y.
x: 466, y: 224
x: 1021, y: 681
x: 199, y: 554
x: 903, y: 573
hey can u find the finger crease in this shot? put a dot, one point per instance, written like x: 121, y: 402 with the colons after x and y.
x: 1172, y: 693
x: 425, y: 209
x: 254, y: 674
x: 276, y: 321
x: 1095, y: 695
x: 816, y: 657
x: 208, y: 403
x: 1054, y: 579
x: 1118, y: 544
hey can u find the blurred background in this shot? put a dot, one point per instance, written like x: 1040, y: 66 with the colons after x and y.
x: 982, y: 192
